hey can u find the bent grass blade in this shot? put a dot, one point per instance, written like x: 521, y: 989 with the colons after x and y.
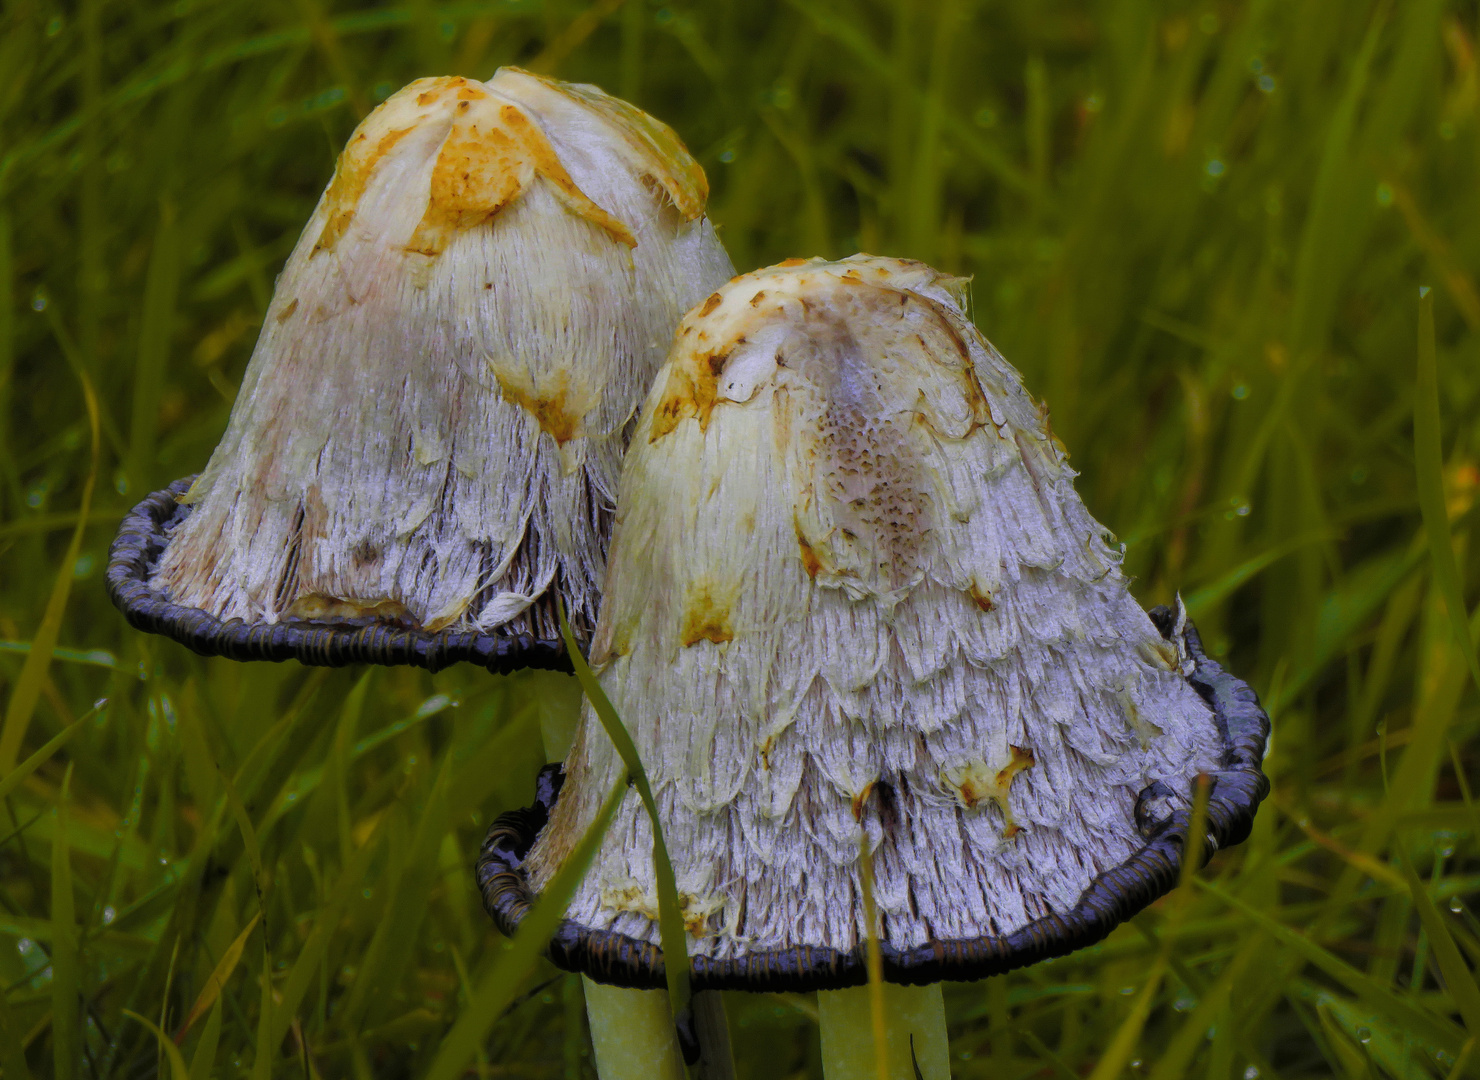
x: 498, y: 989
x: 670, y: 915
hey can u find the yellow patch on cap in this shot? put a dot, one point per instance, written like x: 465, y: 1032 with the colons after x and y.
x: 706, y: 616
x: 492, y: 153
x: 556, y: 408
x: 652, y: 148
x: 977, y: 782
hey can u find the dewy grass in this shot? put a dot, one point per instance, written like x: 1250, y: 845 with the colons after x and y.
x: 1199, y: 230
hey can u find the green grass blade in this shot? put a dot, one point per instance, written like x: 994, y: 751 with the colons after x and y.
x: 845, y: 31
x: 12, y: 1044
x: 1459, y: 980
x: 161, y: 286
x: 385, y: 961
x: 27, y: 690
x: 1177, y: 1057
x: 520, y: 955
x: 312, y: 955
x: 1440, y: 1033
x: 65, y: 976
x: 266, y: 1046
x: 218, y: 978
x: 178, y: 1069
x: 1428, y: 460
x: 1113, y: 1062
x: 204, y: 1058
x: 670, y: 915
x: 13, y: 779
x: 249, y: 835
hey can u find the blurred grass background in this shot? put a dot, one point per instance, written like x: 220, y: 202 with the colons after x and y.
x: 1199, y: 228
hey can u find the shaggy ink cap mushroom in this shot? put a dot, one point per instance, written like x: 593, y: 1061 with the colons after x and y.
x: 853, y: 597
x: 427, y: 441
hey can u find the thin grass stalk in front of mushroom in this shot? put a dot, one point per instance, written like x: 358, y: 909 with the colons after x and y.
x: 499, y: 988
x: 882, y: 1030
x: 670, y: 917
x: 632, y: 1033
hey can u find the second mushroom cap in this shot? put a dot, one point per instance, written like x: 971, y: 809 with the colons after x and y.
x: 854, y: 597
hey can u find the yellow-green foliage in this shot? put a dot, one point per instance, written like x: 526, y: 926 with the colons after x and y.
x: 1199, y: 228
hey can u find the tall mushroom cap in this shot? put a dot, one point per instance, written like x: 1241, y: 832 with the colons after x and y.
x: 430, y: 431
x: 853, y: 596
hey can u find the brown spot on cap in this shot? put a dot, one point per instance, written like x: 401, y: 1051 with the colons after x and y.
x: 710, y: 304
x: 810, y: 562
x: 693, y: 386
x: 554, y: 410
x: 982, y: 598
x: 1022, y: 758
x: 706, y: 618
x: 364, y: 553
x: 976, y: 782
x: 491, y: 154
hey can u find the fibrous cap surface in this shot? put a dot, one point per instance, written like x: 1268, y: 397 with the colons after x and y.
x: 853, y: 598
x: 431, y: 426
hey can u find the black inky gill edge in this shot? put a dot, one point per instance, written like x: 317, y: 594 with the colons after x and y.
x: 1111, y: 898
x: 142, y: 539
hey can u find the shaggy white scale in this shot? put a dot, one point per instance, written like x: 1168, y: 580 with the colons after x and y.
x: 431, y: 427
x: 852, y: 592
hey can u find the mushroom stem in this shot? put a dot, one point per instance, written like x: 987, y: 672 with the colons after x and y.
x: 632, y: 1033
x: 633, y: 1036
x: 916, y: 1018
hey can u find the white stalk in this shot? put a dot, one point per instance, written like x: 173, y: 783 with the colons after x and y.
x: 915, y: 1021
x: 632, y: 1033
